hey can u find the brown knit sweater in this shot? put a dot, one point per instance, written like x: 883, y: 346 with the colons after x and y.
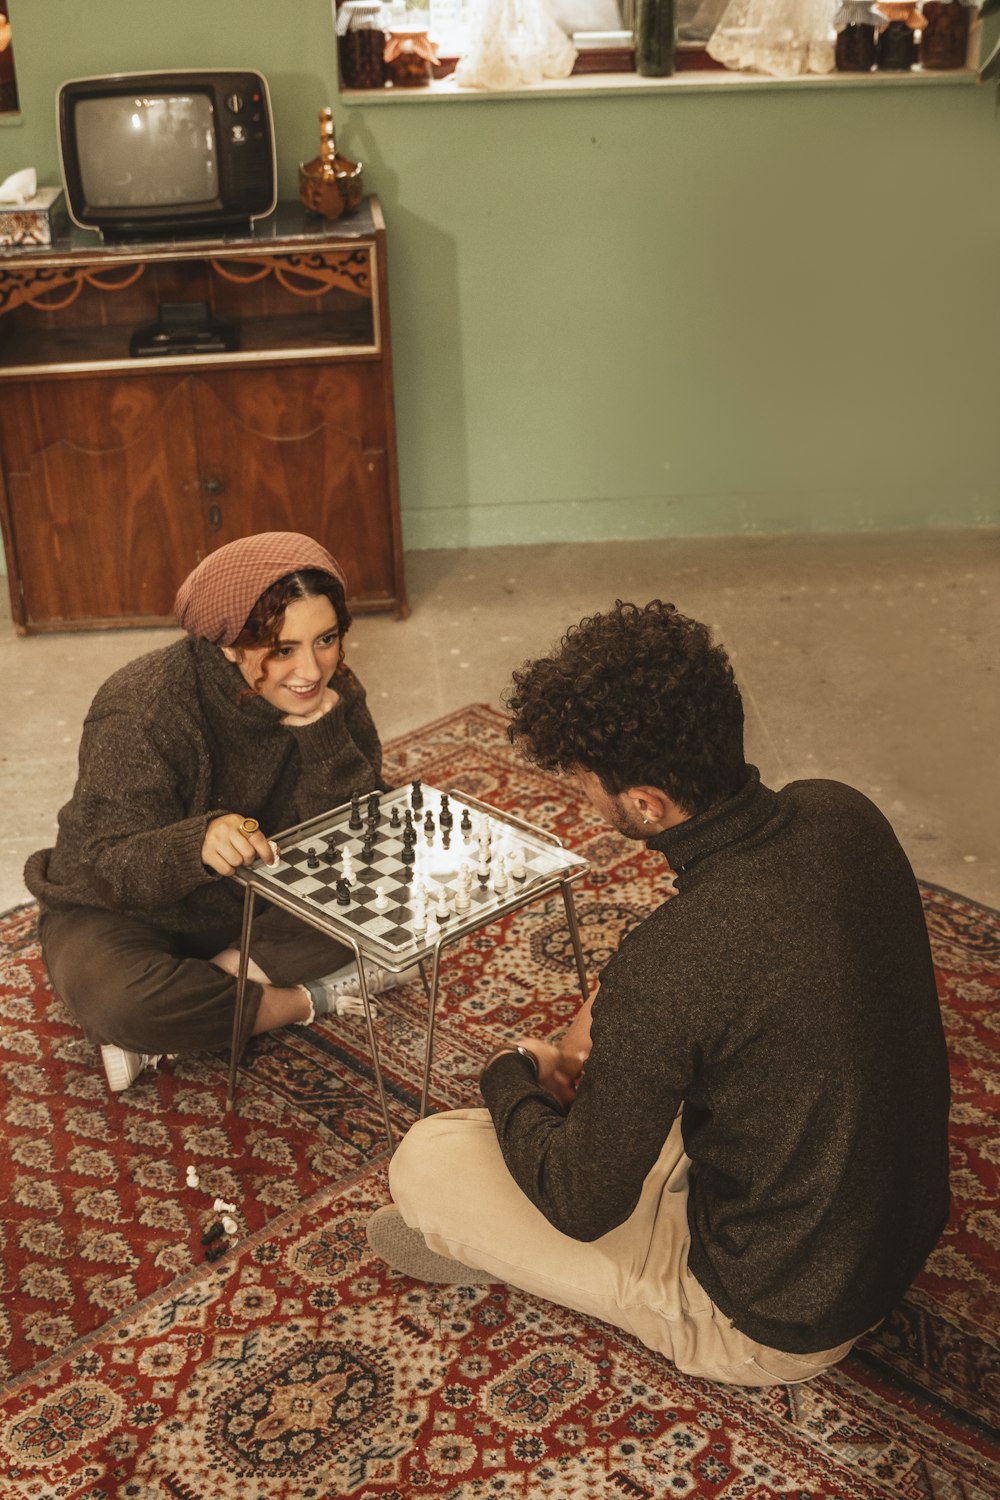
x: 786, y: 999
x: 167, y: 746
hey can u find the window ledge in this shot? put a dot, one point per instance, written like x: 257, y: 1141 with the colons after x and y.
x: 715, y: 81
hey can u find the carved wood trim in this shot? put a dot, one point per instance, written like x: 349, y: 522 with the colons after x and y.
x: 305, y: 275
x: 51, y: 288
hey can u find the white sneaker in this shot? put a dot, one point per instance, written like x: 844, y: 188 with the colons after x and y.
x: 342, y: 989
x: 123, y: 1068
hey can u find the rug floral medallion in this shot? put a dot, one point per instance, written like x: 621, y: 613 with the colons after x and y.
x: 297, y: 1365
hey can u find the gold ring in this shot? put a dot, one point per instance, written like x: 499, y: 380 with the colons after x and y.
x: 249, y: 825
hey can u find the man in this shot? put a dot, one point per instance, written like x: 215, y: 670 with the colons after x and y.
x: 740, y: 1156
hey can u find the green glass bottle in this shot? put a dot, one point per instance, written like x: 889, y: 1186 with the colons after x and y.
x: 655, y: 37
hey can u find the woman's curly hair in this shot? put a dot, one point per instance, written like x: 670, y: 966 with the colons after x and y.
x: 265, y: 621
x: 641, y: 697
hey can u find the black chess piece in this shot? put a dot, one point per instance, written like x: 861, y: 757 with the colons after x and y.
x: 312, y: 859
x: 394, y: 817
x: 343, y: 890
x: 429, y: 822
x: 407, y: 855
x: 331, y: 849
x: 355, y: 818
x: 367, y: 851
x: 374, y: 806
x: 416, y: 796
x: 446, y: 817
x: 466, y: 823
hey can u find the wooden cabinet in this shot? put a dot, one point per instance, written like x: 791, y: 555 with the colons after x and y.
x: 120, y: 471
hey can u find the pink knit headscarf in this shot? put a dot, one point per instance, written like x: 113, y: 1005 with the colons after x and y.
x: 215, y: 598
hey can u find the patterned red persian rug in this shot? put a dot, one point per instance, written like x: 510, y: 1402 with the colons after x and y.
x: 298, y: 1366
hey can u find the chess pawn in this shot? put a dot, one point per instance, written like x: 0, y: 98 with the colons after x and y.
x: 419, y: 919
x: 442, y: 911
x: 518, y: 868
x: 499, y: 875
x: 483, y: 872
x: 462, y: 898
x: 381, y: 899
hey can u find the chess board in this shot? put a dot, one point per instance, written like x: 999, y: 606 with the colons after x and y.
x: 383, y: 897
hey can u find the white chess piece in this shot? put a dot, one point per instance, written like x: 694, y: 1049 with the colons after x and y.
x: 381, y: 899
x: 518, y: 867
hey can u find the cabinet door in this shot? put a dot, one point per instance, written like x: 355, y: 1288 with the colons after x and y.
x: 301, y: 448
x: 104, y: 511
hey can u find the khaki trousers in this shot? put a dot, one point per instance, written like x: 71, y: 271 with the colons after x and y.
x: 450, y: 1183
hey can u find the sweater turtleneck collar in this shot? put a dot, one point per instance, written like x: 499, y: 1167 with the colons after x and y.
x: 725, y: 823
x: 223, y: 684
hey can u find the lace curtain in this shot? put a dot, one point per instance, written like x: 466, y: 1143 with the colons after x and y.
x: 781, y: 37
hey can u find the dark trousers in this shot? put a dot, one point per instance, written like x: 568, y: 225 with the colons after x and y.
x: 128, y: 982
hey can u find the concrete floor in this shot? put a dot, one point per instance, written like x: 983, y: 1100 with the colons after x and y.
x: 872, y: 659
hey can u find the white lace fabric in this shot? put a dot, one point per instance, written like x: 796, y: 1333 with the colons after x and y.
x: 514, y: 43
x: 783, y: 38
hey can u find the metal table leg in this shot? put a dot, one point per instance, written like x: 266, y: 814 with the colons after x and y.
x: 574, y: 936
x: 431, y: 1012
x: 373, y: 1044
x: 236, y: 1046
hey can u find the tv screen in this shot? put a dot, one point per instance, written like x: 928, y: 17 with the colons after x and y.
x: 147, y: 149
x: 184, y: 152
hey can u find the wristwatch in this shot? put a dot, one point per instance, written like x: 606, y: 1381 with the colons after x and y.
x: 524, y: 1052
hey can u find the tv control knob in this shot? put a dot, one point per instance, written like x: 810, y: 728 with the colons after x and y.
x: 234, y: 104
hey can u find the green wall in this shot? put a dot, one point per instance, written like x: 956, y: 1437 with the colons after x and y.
x: 643, y: 315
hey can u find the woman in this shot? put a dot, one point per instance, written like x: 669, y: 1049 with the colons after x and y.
x: 189, y: 756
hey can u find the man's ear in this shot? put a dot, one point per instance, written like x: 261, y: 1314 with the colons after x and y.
x: 647, y: 802
x: 652, y: 805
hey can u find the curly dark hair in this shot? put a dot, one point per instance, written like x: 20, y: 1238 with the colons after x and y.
x: 265, y: 621
x: 641, y: 697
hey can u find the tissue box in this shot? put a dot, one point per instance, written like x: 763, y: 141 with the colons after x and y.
x: 36, y: 222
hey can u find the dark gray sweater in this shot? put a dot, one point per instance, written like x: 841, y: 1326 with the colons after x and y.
x: 167, y: 746
x: 786, y: 999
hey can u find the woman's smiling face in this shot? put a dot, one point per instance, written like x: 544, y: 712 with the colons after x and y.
x: 292, y: 675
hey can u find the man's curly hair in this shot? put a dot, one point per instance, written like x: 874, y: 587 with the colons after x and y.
x: 641, y: 697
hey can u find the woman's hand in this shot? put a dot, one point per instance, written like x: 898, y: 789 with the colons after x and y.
x: 230, y: 842
x: 329, y: 700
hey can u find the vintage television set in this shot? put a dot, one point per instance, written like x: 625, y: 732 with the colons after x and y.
x: 168, y: 153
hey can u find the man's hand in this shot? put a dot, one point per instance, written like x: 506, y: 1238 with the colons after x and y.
x: 559, y: 1068
x: 229, y: 843
x: 329, y: 700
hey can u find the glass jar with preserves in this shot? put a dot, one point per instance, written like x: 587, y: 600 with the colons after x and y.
x: 410, y: 56
x: 361, y: 44
x: 944, y: 41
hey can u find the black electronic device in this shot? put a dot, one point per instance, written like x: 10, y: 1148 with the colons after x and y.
x: 169, y: 153
x: 184, y: 328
